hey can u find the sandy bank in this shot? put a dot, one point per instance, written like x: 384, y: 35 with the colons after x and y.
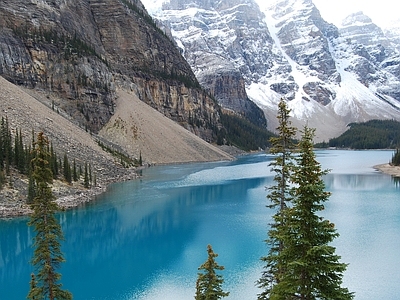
x: 388, y: 169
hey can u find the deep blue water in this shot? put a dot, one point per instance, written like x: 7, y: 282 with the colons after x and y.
x: 146, y: 238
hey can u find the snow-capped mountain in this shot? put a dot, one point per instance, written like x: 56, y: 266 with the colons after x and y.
x: 329, y: 76
x: 392, y: 32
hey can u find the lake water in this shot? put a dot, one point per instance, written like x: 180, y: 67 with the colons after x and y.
x: 145, y: 239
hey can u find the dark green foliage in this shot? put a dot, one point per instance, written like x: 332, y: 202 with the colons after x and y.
x: 396, y: 158
x: 280, y: 196
x: 90, y: 173
x: 47, y: 256
x: 209, y: 283
x: 19, y: 157
x: 19, y: 152
x: 86, y: 182
x: 67, y: 170
x: 53, y: 162
x: 124, y: 159
x: 311, y: 268
x: 321, y: 145
x: 31, y: 190
x: 374, y: 134
x: 74, y: 172
x: 95, y: 180
x: 301, y: 263
x: 2, y: 179
x: 10, y: 156
x: 34, y: 291
x: 6, y: 150
x: 243, y: 134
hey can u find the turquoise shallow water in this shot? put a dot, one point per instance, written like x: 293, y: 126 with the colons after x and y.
x: 145, y: 239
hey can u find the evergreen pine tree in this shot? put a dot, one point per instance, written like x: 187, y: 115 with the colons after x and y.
x: 31, y: 190
x: 67, y: 169
x: 312, y: 269
x: 208, y: 284
x: 34, y: 292
x: 90, y: 174
x: 22, y: 160
x: 47, y: 255
x: 53, y: 161
x: 396, y: 158
x: 7, y: 151
x: 86, y: 177
x: 279, y: 196
x: 19, y: 153
x: 2, y: 154
x: 16, y: 148
x: 74, y: 171
x: 2, y: 179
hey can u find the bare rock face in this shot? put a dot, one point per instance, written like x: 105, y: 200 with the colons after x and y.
x: 319, y: 93
x: 304, y: 36
x: 226, y: 45
x: 374, y: 57
x: 84, y: 50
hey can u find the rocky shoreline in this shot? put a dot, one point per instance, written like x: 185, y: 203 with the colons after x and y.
x: 388, y: 169
x: 73, y: 197
x: 67, y: 197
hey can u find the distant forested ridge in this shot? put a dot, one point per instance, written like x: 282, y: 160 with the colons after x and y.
x: 374, y: 134
x: 242, y: 133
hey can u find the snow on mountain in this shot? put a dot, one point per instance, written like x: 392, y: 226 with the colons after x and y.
x: 392, y: 32
x: 329, y: 76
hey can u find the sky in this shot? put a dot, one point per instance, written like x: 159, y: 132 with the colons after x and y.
x: 382, y: 12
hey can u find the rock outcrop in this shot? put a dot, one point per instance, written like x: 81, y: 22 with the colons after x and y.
x: 330, y: 76
x: 214, y: 39
x: 83, y: 50
x: 373, y: 57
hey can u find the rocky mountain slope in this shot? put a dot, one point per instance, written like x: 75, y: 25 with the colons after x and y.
x: 330, y: 76
x: 82, y: 51
x: 133, y: 125
x: 218, y: 48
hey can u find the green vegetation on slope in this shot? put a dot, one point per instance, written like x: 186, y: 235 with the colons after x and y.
x: 396, y: 158
x: 374, y: 134
x: 243, y: 134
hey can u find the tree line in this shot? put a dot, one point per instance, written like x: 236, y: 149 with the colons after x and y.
x: 374, y: 134
x: 243, y: 134
x: 15, y: 154
x: 396, y: 158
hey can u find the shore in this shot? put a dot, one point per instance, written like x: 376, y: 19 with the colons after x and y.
x: 67, y: 196
x: 388, y: 169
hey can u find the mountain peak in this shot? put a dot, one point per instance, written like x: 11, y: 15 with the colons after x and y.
x: 330, y: 77
x: 356, y: 19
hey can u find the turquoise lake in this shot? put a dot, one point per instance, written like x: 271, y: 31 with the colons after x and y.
x: 145, y: 239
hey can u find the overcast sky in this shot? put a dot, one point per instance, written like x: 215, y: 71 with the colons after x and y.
x: 380, y: 11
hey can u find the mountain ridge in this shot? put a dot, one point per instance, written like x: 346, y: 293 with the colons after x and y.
x: 31, y: 111
x: 324, y: 74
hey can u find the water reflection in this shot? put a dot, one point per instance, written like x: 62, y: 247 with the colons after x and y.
x: 396, y: 181
x: 158, y: 227
x: 124, y: 237
x: 358, y: 182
